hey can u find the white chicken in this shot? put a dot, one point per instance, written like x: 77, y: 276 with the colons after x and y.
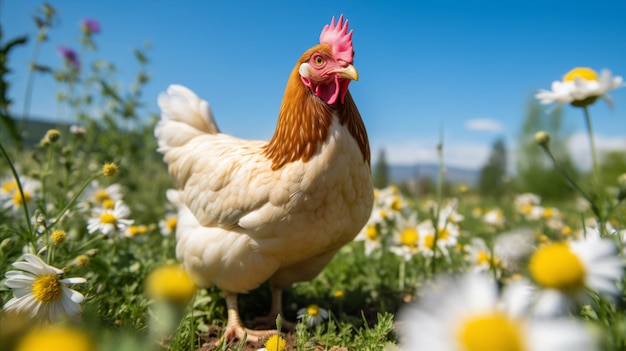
x: 277, y: 210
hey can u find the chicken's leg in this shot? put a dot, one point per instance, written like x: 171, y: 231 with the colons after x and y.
x: 234, y: 326
x: 277, y: 309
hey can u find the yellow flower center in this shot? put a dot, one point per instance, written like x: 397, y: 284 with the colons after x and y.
x: 82, y: 260
x: 338, y: 295
x: 383, y: 214
x: 582, y: 73
x: 101, y: 195
x: 371, y: 232
x: 171, y: 223
x: 556, y: 266
x: 429, y: 241
x: 108, y: 218
x: 276, y: 343
x: 527, y: 208
x: 548, y: 212
x: 137, y: 230
x: 396, y: 205
x: 17, y: 198
x: 491, y: 332
x: 444, y: 233
x: 313, y: 310
x: 566, y: 230
x: 47, y: 288
x: 9, y: 186
x: 409, y: 237
x: 170, y: 282
x: 483, y: 257
x: 58, y: 236
x: 108, y: 204
x: 56, y: 338
x: 110, y: 170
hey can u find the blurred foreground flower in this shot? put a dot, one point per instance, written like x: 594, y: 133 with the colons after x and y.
x: 312, y: 315
x: 56, y: 338
x: 39, y: 290
x: 170, y: 282
x: 467, y: 314
x: 581, y: 87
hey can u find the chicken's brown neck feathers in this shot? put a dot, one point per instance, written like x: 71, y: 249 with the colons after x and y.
x: 304, y: 123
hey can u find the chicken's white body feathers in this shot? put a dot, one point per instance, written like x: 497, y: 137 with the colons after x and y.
x: 240, y: 222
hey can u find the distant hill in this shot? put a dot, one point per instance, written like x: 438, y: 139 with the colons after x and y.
x: 403, y: 173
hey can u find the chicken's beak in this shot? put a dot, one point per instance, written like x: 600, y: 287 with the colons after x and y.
x: 348, y: 72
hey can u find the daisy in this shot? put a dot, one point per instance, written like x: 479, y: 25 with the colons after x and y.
x: 572, y: 266
x: 312, y: 315
x: 12, y: 197
x: 40, y: 291
x: 480, y: 257
x: 468, y: 314
x: 108, y: 221
x: 406, y: 237
x: 494, y: 217
x: 581, y: 87
x: 168, y: 225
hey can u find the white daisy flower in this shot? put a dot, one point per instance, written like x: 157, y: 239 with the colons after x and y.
x: 571, y: 267
x: 107, y: 221
x: 11, y: 196
x: 313, y: 315
x: 406, y: 237
x: 40, y: 291
x: 168, y: 225
x: 494, y: 217
x: 581, y: 87
x: 371, y: 236
x: 468, y: 315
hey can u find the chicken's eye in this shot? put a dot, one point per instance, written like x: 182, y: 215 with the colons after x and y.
x: 319, y: 60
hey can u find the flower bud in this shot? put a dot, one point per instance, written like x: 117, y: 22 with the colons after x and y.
x: 542, y: 138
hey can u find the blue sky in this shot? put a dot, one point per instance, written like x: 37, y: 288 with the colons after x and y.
x: 469, y: 67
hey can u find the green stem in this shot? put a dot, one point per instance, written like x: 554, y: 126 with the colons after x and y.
x: 596, y: 172
x: 21, y: 190
x: 571, y: 181
x: 74, y: 198
x: 594, y: 154
x: 439, y: 196
x: 30, y: 82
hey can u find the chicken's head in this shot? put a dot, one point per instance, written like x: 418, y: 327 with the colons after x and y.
x: 326, y: 69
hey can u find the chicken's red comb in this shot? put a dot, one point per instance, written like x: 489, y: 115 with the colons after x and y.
x: 338, y: 37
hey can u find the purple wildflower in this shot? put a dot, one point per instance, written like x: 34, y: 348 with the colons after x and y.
x: 69, y: 55
x: 90, y: 26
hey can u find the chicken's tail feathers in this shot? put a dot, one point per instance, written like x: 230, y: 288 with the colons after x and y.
x: 183, y: 117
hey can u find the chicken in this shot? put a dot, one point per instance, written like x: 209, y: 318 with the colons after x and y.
x: 277, y: 210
